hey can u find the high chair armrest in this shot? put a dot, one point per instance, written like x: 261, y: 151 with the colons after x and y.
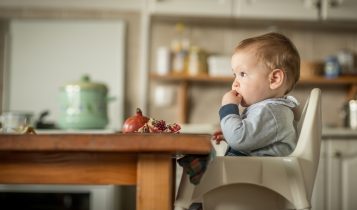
x: 220, y: 148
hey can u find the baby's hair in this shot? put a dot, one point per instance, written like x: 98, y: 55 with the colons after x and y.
x: 277, y: 52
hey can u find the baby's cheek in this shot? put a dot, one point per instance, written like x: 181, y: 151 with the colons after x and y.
x: 243, y: 102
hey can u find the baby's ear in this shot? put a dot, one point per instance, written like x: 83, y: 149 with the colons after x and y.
x: 276, y: 78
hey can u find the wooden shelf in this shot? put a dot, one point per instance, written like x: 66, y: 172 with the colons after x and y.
x: 185, y: 80
x: 343, y: 80
x: 188, y: 78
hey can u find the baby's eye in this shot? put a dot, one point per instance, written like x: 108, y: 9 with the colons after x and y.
x: 242, y: 74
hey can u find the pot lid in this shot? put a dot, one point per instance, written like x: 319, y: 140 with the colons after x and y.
x: 86, y: 84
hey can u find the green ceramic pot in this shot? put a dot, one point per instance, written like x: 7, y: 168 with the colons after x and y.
x: 83, y: 105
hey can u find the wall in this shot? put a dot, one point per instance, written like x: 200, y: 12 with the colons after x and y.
x: 132, y: 20
x: 3, y: 28
x: 313, y: 42
x: 63, y: 51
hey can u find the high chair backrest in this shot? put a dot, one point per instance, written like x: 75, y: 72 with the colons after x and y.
x: 309, y: 142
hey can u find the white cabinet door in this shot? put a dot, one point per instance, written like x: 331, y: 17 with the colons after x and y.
x: 276, y: 9
x: 349, y: 183
x: 191, y: 7
x: 339, y: 9
x: 78, y: 4
x: 341, y: 174
x: 318, y: 199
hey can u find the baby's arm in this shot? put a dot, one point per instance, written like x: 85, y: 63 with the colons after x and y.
x: 255, y: 131
x: 230, y: 97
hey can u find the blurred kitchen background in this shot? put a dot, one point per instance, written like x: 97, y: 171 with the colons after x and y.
x: 169, y: 57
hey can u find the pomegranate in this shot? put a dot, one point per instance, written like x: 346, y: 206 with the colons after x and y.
x: 133, y: 123
x: 159, y: 126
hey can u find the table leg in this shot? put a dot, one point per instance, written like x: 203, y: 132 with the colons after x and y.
x: 154, y: 182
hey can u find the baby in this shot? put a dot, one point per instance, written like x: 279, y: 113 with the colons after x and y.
x: 265, y: 68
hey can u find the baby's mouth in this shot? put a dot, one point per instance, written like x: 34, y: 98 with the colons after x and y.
x: 237, y: 93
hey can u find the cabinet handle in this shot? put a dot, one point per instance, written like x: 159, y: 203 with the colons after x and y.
x: 312, y: 4
x: 338, y: 154
x: 335, y: 3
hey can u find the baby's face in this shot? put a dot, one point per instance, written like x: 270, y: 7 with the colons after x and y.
x: 251, y: 77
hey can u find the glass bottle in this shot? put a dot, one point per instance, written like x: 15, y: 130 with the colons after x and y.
x: 180, y: 47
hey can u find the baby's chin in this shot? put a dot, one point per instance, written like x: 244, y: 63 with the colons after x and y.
x: 245, y: 103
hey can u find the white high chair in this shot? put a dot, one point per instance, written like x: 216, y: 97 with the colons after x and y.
x: 251, y: 183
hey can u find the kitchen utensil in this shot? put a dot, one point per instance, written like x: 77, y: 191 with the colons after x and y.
x: 346, y: 59
x: 41, y: 123
x: 15, y: 122
x: 83, y: 105
x: 352, y: 104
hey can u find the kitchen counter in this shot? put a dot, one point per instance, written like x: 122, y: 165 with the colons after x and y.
x: 144, y: 160
x: 338, y: 133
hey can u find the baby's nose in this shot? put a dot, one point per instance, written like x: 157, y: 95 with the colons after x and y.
x: 235, y: 84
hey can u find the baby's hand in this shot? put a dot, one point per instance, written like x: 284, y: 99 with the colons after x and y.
x: 218, y: 136
x: 231, y: 97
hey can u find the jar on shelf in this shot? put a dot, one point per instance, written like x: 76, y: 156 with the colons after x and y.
x: 163, y: 59
x: 196, y: 61
x: 332, y: 67
x: 352, y: 105
x: 180, y: 46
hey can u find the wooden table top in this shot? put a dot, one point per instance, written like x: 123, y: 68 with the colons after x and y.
x: 116, y: 142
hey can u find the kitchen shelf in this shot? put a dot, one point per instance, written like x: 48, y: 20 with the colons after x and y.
x: 343, y: 80
x: 188, y: 78
x: 184, y: 82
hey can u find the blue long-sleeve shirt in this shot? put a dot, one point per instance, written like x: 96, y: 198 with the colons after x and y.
x: 267, y: 128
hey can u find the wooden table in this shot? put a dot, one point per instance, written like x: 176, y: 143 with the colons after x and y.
x: 144, y: 160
